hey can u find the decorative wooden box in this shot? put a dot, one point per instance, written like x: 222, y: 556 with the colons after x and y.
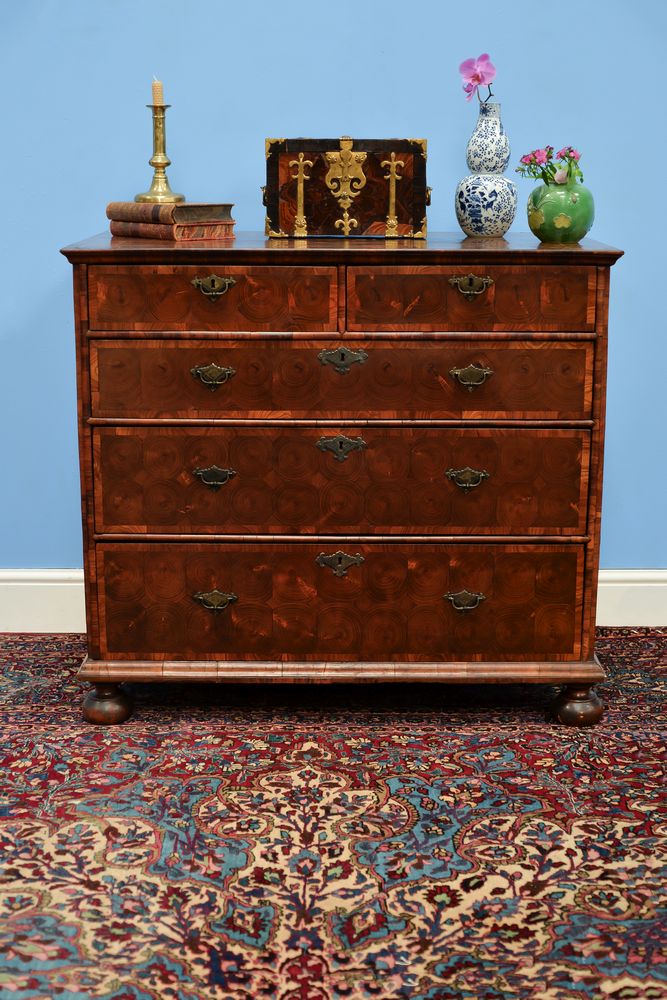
x: 346, y: 187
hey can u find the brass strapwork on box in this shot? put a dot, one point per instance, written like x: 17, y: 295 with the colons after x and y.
x: 300, y: 176
x: 267, y: 145
x: 159, y: 192
x: 273, y: 233
x: 345, y: 178
x: 422, y: 145
x: 393, y: 165
x: 421, y: 232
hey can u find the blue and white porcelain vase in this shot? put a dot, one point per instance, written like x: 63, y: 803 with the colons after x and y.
x: 485, y: 200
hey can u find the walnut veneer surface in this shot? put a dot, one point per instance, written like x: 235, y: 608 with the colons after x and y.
x: 350, y: 464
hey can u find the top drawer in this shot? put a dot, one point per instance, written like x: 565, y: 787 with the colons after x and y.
x: 256, y: 298
x: 495, y: 298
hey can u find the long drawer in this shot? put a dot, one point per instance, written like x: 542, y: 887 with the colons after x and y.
x: 475, y: 298
x: 362, y: 601
x: 300, y: 378
x: 198, y: 298
x: 348, y: 479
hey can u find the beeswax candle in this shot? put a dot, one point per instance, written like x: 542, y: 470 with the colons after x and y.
x: 158, y: 95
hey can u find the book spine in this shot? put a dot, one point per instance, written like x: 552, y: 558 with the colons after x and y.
x: 180, y: 234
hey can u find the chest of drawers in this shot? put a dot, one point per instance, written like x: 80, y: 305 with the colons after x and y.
x: 341, y: 460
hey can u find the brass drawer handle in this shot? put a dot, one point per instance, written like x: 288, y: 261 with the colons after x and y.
x: 213, y: 286
x: 464, y: 600
x: 339, y: 561
x: 214, y: 476
x: 467, y: 479
x: 340, y: 358
x: 214, y: 600
x: 340, y: 446
x: 212, y: 375
x: 470, y: 285
x: 471, y: 376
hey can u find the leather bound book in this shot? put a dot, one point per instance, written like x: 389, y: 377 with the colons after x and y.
x: 177, y: 233
x: 183, y: 213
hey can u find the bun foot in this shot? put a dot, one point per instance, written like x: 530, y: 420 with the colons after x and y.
x: 107, y: 705
x: 578, y: 705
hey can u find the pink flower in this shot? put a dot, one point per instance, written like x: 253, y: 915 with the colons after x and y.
x: 476, y: 73
x: 540, y: 156
x: 560, y: 176
x: 568, y: 152
x: 527, y: 158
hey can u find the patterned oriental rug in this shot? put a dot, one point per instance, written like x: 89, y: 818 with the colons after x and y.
x: 313, y: 843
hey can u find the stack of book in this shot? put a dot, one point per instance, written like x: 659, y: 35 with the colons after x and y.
x: 180, y: 222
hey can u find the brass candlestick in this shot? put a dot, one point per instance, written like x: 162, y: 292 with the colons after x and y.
x: 159, y: 192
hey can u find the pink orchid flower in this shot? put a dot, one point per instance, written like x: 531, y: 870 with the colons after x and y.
x: 540, y: 156
x: 476, y: 73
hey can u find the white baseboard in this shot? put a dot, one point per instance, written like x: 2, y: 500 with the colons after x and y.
x: 632, y: 597
x: 42, y: 600
x: 51, y: 600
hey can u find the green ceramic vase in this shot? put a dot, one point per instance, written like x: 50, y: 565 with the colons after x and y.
x: 560, y: 213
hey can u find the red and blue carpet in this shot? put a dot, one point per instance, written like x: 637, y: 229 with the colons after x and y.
x: 312, y: 843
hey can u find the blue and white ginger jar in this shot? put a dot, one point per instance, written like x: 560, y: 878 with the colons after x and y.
x: 486, y: 201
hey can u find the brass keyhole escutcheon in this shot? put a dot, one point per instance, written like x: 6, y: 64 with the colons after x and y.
x: 340, y: 446
x: 339, y: 561
x: 340, y: 358
x: 214, y: 286
x: 470, y: 285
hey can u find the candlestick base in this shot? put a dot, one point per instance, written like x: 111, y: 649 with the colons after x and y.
x: 160, y: 194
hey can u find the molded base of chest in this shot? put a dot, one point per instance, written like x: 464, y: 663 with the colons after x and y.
x: 346, y: 672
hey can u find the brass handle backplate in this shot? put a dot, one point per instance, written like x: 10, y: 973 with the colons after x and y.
x: 467, y: 479
x: 213, y: 286
x: 340, y: 358
x: 339, y: 561
x: 214, y: 600
x: 471, y: 376
x: 470, y: 285
x: 464, y: 600
x: 214, y: 477
x: 212, y: 375
x: 340, y: 446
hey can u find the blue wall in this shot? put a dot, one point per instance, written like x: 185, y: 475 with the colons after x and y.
x: 75, y: 76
